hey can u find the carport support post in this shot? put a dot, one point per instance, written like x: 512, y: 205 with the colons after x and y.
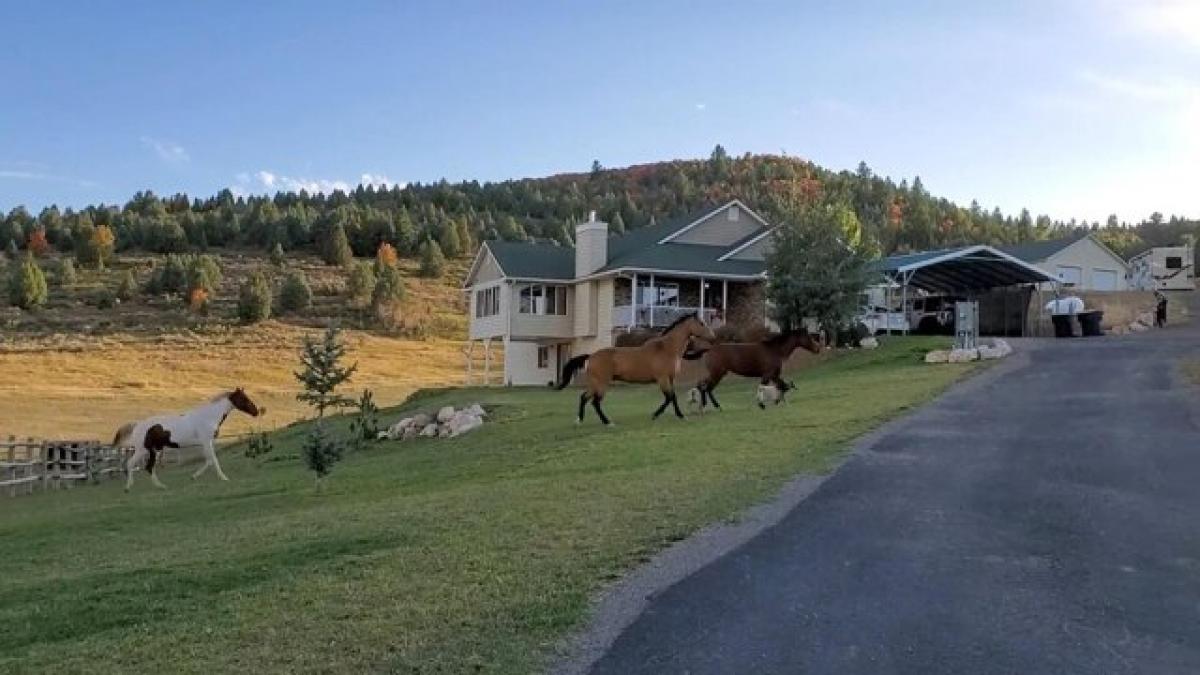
x: 905, y: 276
x: 633, y: 305
x: 725, y: 300
x: 653, y: 300
x: 702, y: 316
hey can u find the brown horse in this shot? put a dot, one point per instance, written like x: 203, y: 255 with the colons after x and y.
x: 657, y: 360
x: 763, y: 360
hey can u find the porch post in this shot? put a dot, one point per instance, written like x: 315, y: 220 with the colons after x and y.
x: 487, y: 361
x: 653, y: 300
x: 887, y: 305
x: 702, y: 298
x: 904, y: 300
x: 725, y: 300
x: 633, y: 306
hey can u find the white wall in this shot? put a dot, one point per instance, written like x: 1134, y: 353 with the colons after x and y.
x: 521, y: 364
x: 1092, y: 260
x: 489, y: 326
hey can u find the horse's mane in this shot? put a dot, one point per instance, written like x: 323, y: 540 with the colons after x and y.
x: 678, y: 321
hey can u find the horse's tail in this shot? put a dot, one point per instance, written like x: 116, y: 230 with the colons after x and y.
x: 569, y: 369
x: 123, y: 434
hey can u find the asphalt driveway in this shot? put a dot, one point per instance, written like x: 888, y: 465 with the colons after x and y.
x: 1044, y: 521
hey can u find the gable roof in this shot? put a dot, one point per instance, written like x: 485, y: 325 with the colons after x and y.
x: 639, y: 249
x: 960, y: 269
x: 526, y: 260
x: 1037, y: 251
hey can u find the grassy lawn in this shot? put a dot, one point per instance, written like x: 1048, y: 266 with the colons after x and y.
x: 464, y: 555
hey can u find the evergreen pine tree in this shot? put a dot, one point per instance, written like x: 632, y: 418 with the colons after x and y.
x: 27, y: 285
x: 14, y: 252
x: 337, y: 247
x: 362, y: 282
x: 433, y: 263
x: 127, y: 289
x: 66, y: 272
x: 617, y: 226
x: 406, y: 233
x: 295, y: 295
x: 278, y: 258
x: 448, y: 239
x: 254, y: 299
x: 321, y: 375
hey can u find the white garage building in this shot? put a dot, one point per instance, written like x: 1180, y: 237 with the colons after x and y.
x: 1081, y: 262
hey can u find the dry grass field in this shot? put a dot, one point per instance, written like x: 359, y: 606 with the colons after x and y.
x: 86, y: 387
x: 75, y: 370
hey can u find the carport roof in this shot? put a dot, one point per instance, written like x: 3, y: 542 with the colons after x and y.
x: 969, y: 268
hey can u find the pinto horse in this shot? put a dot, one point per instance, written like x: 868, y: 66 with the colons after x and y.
x: 197, y: 427
x: 763, y: 360
x: 657, y: 360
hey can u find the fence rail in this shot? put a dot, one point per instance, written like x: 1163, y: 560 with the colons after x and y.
x: 30, y: 463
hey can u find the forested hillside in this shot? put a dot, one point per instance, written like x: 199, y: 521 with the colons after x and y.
x: 899, y: 216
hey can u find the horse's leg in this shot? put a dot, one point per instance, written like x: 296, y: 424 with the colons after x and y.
x: 675, y: 404
x: 666, y: 402
x: 154, y: 471
x: 583, y: 399
x: 137, y: 458
x: 203, y: 467
x: 600, y: 412
x: 762, y: 383
x: 712, y: 395
x: 211, y: 454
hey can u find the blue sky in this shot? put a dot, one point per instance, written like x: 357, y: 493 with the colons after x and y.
x: 1075, y: 108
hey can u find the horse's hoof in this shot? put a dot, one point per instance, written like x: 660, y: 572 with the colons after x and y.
x: 578, y: 421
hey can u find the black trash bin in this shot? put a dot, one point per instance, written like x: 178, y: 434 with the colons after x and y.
x: 1089, y: 323
x: 1063, y: 326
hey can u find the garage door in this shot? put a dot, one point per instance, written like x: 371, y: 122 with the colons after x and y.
x: 1070, y: 275
x: 1104, y: 280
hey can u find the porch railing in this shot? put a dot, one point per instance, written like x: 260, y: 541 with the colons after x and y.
x: 627, y: 316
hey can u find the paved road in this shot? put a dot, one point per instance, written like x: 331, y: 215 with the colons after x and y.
x: 1044, y: 520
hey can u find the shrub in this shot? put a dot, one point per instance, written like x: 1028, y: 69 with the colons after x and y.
x: 387, y: 296
x: 197, y: 300
x: 433, y: 262
x: 127, y: 289
x: 97, y: 246
x: 365, y: 425
x: 37, y: 244
x: 259, y: 444
x: 337, y: 247
x: 185, y: 273
x: 27, y: 285
x: 362, y: 282
x: 105, y: 299
x: 66, y: 272
x: 254, y: 299
x: 14, y: 251
x: 277, y: 256
x: 295, y: 294
x: 386, y: 256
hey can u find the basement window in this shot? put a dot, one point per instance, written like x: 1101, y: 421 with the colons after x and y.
x: 543, y: 357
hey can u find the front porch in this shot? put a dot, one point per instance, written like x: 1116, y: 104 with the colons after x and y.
x: 661, y: 299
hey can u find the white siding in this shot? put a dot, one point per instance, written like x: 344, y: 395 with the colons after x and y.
x: 488, y: 270
x: 756, y: 251
x: 1091, y: 260
x: 521, y: 364
x: 717, y: 229
x: 490, y: 326
x: 540, y: 325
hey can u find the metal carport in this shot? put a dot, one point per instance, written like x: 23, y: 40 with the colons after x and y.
x: 967, y: 270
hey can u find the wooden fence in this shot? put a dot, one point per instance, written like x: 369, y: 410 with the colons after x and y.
x: 26, y: 464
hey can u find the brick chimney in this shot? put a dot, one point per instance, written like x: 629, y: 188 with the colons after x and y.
x: 591, y: 245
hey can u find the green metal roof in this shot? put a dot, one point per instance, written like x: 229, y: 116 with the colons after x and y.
x: 636, y: 249
x: 525, y: 260
x: 1037, y: 251
x: 966, y: 268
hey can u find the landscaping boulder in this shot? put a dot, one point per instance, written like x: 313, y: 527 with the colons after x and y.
x: 411, y: 432
x: 421, y: 420
x: 463, y: 422
x: 963, y: 355
x: 1138, y: 327
x: 938, y: 356
x: 429, y: 431
x: 445, y: 414
x: 868, y: 343
x: 476, y: 410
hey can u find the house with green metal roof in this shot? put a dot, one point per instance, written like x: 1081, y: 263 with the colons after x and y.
x: 532, y: 305
x: 1081, y: 262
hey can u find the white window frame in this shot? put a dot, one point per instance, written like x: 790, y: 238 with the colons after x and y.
x: 534, y: 300
x: 487, y: 302
x: 543, y: 358
x: 672, y: 296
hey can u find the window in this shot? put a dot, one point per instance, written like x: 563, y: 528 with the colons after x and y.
x: 487, y: 302
x: 1174, y: 262
x: 734, y: 213
x: 666, y: 293
x: 543, y: 300
x: 543, y: 357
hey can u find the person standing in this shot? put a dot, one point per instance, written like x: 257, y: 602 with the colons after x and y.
x: 1160, y: 309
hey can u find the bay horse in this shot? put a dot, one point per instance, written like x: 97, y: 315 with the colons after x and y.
x: 196, y: 427
x: 763, y: 360
x: 657, y: 360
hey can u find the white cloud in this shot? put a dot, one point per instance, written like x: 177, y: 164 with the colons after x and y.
x: 168, y: 151
x: 269, y: 181
x: 701, y: 106
x: 1170, y: 19
x: 22, y: 174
